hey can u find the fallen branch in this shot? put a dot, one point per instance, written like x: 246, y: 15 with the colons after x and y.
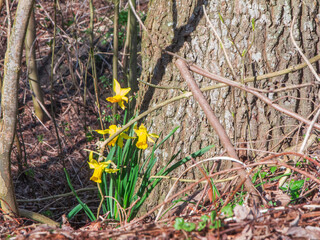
x: 215, y: 123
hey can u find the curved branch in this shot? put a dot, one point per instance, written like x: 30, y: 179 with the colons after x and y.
x: 215, y: 124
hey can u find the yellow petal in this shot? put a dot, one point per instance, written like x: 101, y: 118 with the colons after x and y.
x: 113, y: 127
x: 102, y: 131
x: 125, y: 136
x: 142, y: 141
x: 96, y: 177
x: 124, y: 91
x: 116, y: 87
x: 153, y: 135
x: 125, y: 99
x: 110, y: 170
x: 142, y: 127
x: 150, y: 139
x: 122, y: 105
x: 93, y: 164
x: 142, y: 145
x: 139, y: 132
x: 113, y: 141
x: 107, y: 163
x: 91, y: 156
x: 112, y: 99
x: 99, y: 168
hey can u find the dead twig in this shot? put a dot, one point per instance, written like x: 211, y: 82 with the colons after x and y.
x: 220, y: 41
x: 265, y: 161
x: 263, y: 98
x: 293, y: 87
x: 206, y: 177
x: 301, y: 53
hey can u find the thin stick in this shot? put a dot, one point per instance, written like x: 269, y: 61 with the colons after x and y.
x: 51, y: 82
x: 93, y: 66
x: 315, y: 162
x: 189, y: 168
x: 101, y: 201
x: 161, y: 87
x: 220, y: 79
x: 220, y: 41
x: 309, y: 131
x: 192, y: 180
x: 293, y: 87
x: 215, y: 123
x: 301, y: 53
x: 55, y: 196
x: 316, y: 76
x: 121, y: 210
x: 234, y: 192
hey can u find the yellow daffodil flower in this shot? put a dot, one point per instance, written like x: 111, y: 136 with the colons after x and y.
x: 112, y: 130
x: 120, y: 94
x: 99, y: 168
x: 143, y: 136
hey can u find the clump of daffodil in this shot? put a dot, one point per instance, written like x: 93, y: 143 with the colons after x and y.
x: 120, y: 94
x: 143, y: 136
x: 99, y: 168
x: 112, y: 130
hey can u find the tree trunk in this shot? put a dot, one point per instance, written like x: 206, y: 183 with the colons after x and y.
x: 9, y: 104
x: 256, y: 35
x: 33, y: 70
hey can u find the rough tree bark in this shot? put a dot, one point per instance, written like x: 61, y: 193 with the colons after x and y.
x: 180, y: 27
x: 9, y: 104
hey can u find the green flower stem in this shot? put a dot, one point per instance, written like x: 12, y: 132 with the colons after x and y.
x: 216, y: 86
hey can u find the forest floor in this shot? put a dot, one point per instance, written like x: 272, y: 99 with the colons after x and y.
x: 40, y: 182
